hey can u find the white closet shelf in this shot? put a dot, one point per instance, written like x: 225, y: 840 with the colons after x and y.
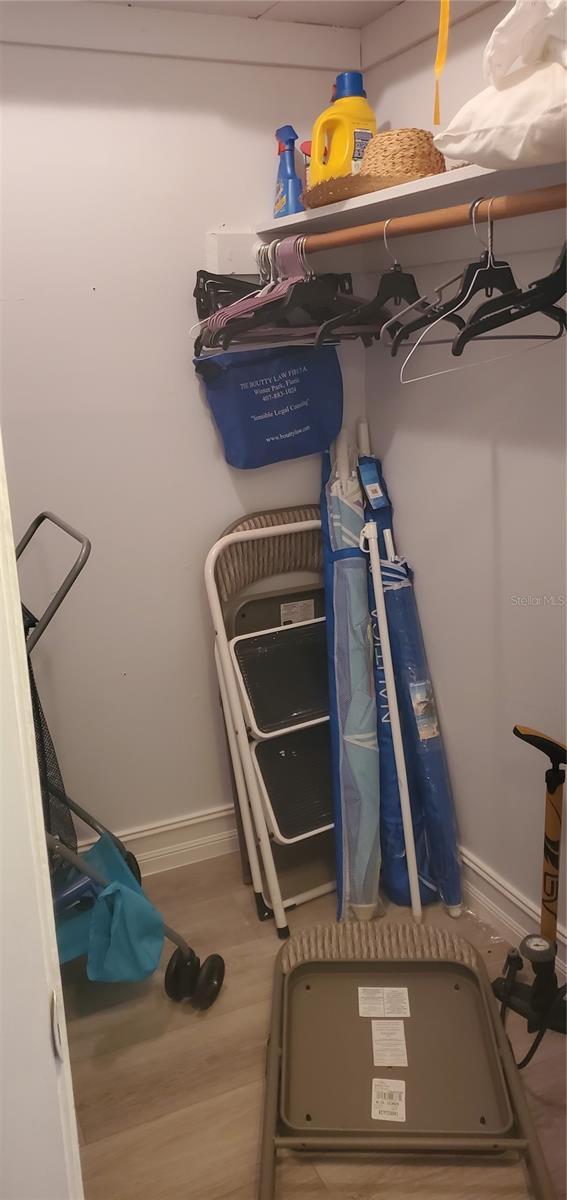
x: 434, y: 191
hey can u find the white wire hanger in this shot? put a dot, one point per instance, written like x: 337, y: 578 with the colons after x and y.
x: 541, y: 340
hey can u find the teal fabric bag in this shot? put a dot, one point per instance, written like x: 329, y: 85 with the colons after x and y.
x: 122, y: 933
x: 125, y: 936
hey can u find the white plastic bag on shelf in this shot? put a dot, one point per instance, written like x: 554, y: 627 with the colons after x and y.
x: 520, y: 119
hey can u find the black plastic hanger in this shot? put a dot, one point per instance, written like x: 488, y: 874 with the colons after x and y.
x: 395, y: 285
x: 486, y: 275
x: 540, y: 297
x: 490, y: 322
x: 212, y: 292
x: 482, y: 276
x: 306, y: 303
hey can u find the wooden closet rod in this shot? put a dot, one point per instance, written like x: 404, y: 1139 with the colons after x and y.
x: 520, y: 205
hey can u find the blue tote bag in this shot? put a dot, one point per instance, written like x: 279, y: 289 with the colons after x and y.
x: 270, y: 405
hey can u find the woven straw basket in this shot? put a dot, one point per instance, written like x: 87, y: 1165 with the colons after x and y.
x: 390, y: 158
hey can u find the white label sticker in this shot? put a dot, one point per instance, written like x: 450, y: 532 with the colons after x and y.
x: 423, y: 702
x: 370, y: 1002
x: 361, y: 140
x: 297, y: 610
x: 383, y: 1002
x: 388, y: 1100
x: 396, y: 1002
x: 389, y: 1044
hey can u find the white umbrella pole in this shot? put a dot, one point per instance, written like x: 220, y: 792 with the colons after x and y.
x: 342, y: 458
x: 389, y: 543
x: 370, y: 534
x: 364, y: 438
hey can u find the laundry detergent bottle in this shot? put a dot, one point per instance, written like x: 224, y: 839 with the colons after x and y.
x: 342, y: 132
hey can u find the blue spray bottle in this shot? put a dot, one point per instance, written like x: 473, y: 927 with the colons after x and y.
x: 288, y: 185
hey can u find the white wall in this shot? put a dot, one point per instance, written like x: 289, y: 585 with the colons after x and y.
x: 39, y: 1149
x: 401, y: 90
x: 107, y: 191
x: 113, y: 168
x: 475, y: 464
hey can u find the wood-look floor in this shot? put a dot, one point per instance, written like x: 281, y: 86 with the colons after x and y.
x: 169, y: 1100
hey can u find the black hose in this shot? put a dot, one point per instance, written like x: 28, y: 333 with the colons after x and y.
x: 559, y: 995
x: 510, y: 981
x: 536, y: 1042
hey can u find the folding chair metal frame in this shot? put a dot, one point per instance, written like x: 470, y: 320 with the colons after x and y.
x: 303, y: 1070
x: 278, y: 559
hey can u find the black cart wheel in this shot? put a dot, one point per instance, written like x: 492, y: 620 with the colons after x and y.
x: 209, y: 982
x: 182, y: 974
x: 133, y: 864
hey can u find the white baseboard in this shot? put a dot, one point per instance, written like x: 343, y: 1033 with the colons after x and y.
x: 179, y: 842
x: 210, y: 834
x: 501, y: 905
